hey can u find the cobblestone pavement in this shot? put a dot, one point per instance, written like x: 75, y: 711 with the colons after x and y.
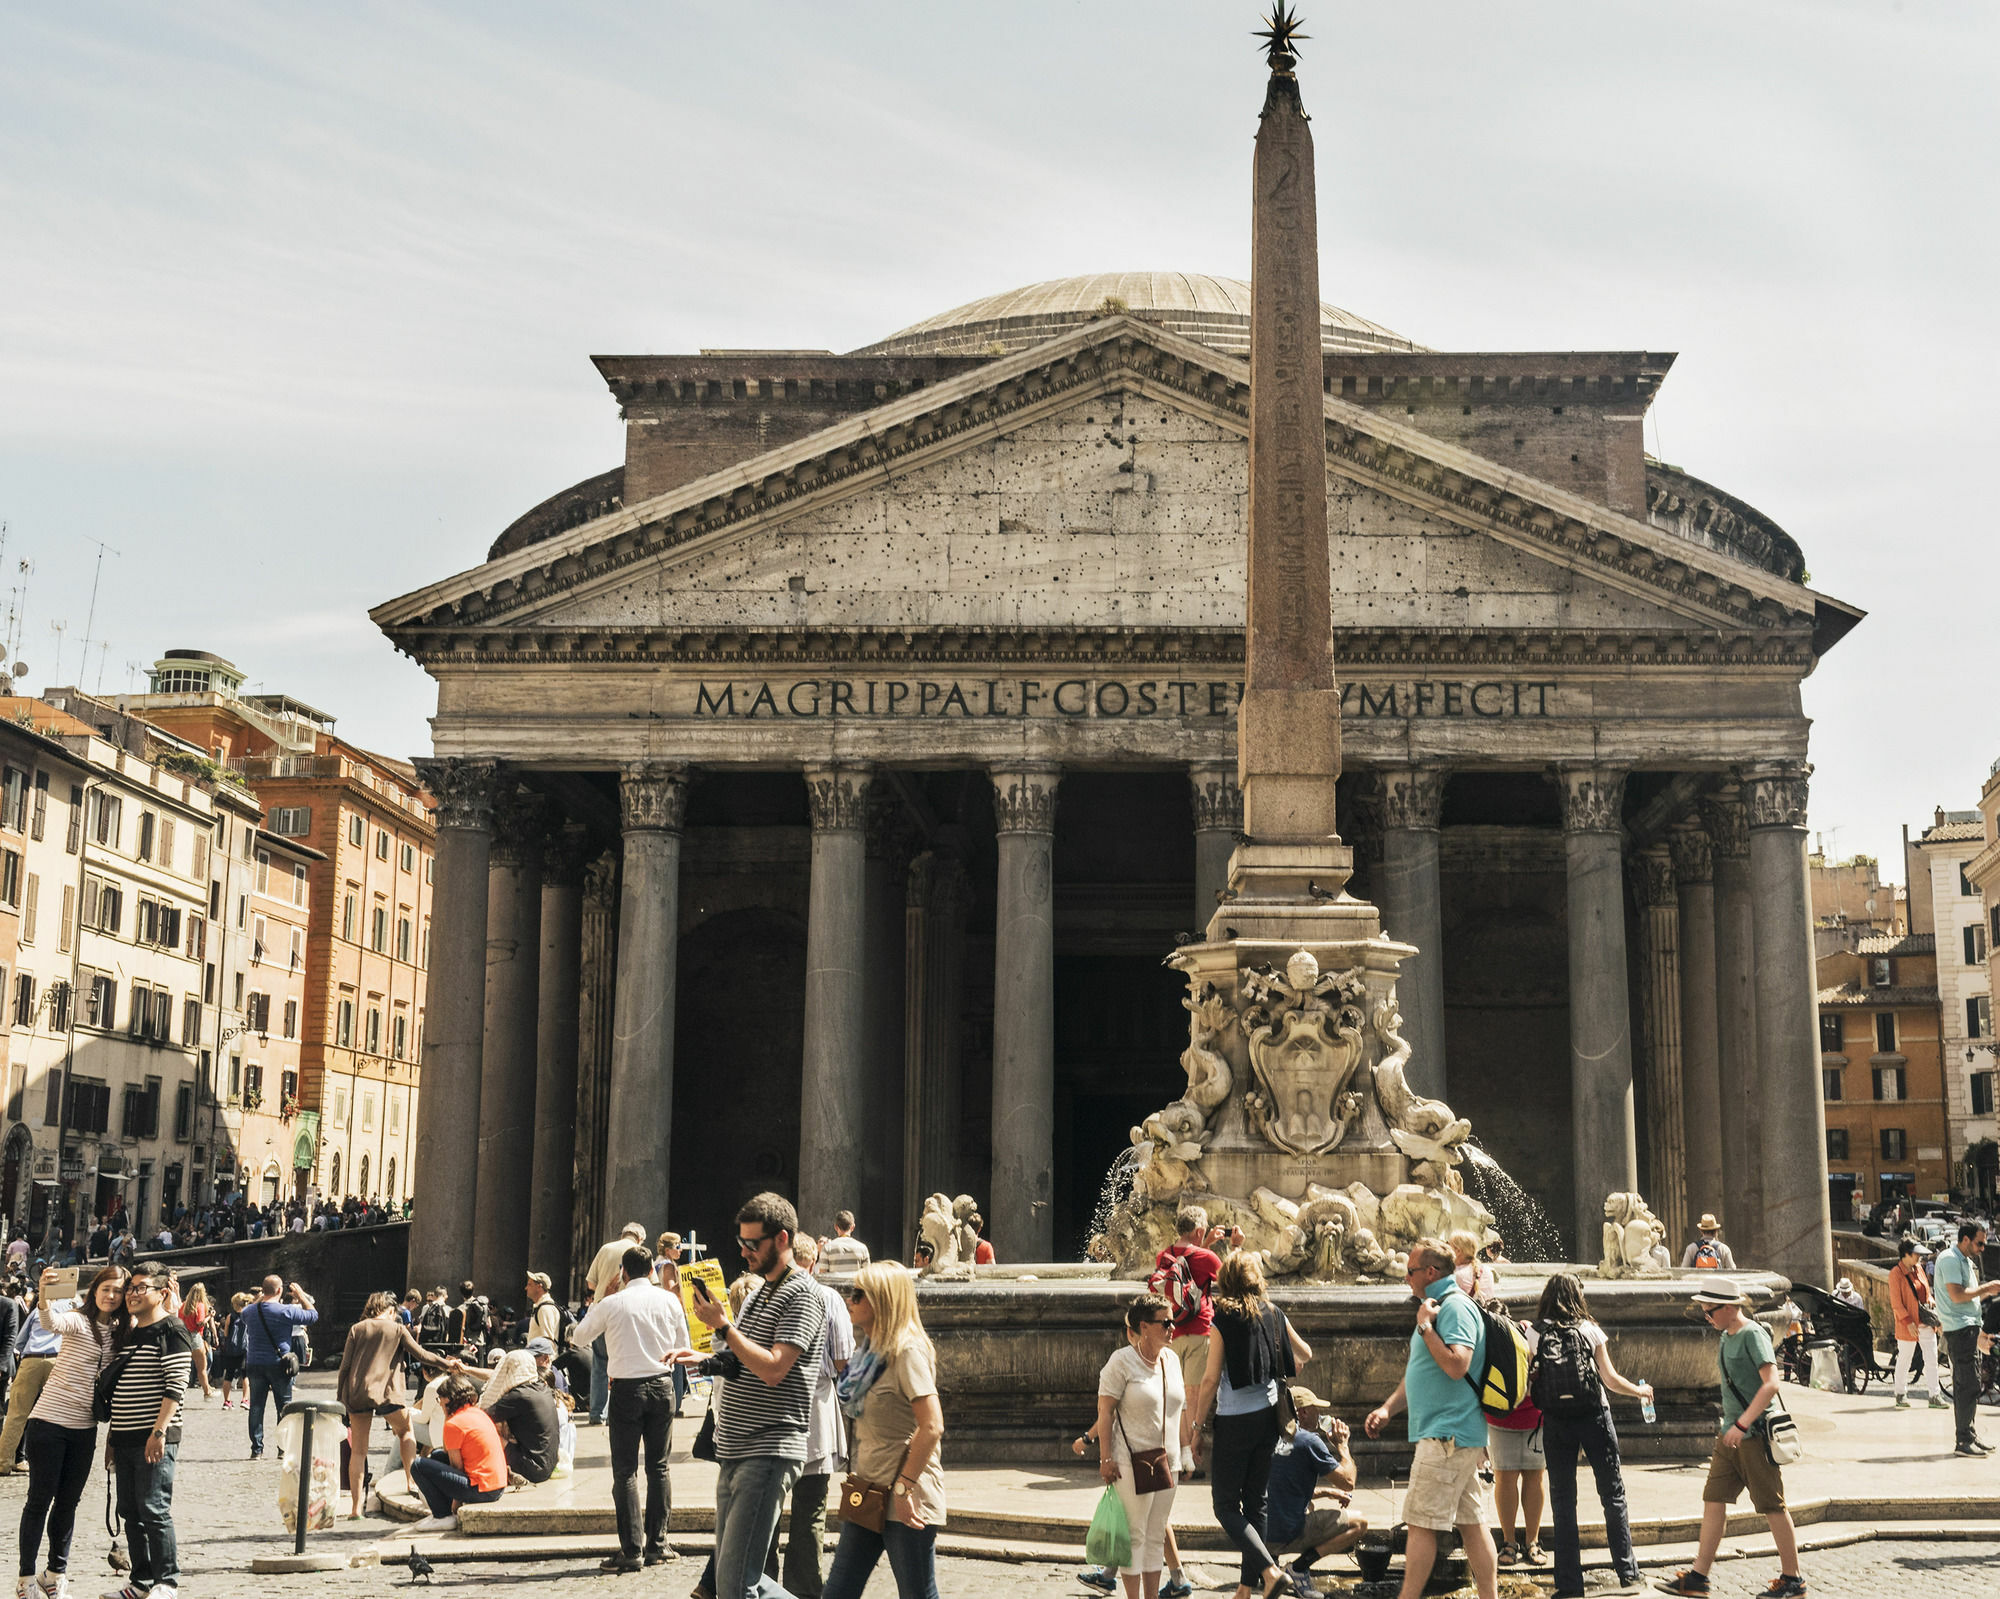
x: 227, y: 1513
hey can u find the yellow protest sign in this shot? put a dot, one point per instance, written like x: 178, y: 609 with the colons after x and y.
x: 709, y: 1274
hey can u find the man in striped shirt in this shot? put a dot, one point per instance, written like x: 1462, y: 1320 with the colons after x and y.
x: 146, y: 1429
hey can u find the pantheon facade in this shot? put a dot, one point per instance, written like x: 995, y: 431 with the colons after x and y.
x: 871, y: 685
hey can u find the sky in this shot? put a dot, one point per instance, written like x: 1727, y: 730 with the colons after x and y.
x: 296, y: 303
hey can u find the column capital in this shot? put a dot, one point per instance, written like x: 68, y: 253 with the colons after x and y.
x: 1728, y: 828
x: 1693, y: 854
x: 520, y: 826
x: 1367, y: 811
x: 838, y: 797
x: 1592, y: 798
x: 600, y: 882
x: 1024, y: 798
x: 937, y: 882
x: 464, y: 790
x: 1412, y: 796
x: 892, y: 831
x: 1218, y: 802
x: 565, y: 853
x: 1653, y: 877
x: 652, y: 796
x: 1775, y: 795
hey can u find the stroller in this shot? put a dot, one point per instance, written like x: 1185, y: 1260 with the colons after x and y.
x: 1854, y: 1340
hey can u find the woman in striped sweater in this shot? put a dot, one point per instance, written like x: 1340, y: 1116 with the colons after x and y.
x: 61, y: 1437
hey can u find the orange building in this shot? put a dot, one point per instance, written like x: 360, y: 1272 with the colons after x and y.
x: 1882, y: 1071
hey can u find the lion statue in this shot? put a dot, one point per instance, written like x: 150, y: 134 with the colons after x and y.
x: 946, y: 1225
x: 1632, y: 1234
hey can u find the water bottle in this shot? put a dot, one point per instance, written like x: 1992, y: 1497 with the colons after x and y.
x: 1646, y: 1409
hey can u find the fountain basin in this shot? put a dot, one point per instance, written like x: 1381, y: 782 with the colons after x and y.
x: 1018, y: 1361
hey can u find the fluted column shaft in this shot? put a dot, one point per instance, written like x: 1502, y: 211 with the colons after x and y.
x: 639, y: 1142
x: 879, y: 1215
x: 1024, y: 983
x: 1412, y: 906
x: 834, y: 1080
x: 1736, y: 1024
x: 557, y: 1019
x: 595, y: 1025
x: 933, y: 995
x: 447, y: 1154
x: 1701, y: 1083
x: 504, y: 1193
x: 1798, y: 1227
x: 1604, y: 1141
x: 1218, y: 818
x: 1666, y: 1133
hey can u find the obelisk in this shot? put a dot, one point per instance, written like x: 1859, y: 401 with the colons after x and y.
x: 1288, y: 739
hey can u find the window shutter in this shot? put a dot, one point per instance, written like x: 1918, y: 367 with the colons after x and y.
x: 28, y: 908
x: 167, y: 842
x: 66, y: 928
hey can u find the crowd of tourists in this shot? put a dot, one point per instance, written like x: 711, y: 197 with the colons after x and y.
x: 233, y: 1218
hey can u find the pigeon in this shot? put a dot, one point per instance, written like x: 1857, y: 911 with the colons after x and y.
x: 419, y: 1566
x: 1317, y: 892
x: 117, y: 1557
x: 1224, y: 895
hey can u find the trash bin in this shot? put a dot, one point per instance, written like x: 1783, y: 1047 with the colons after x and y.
x: 313, y: 1450
x: 1824, y: 1357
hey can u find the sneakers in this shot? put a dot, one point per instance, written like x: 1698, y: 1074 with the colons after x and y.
x: 1903, y: 1403
x: 1176, y: 1588
x: 1974, y: 1450
x: 1689, y: 1584
x: 435, y: 1524
x: 619, y: 1563
x: 1788, y: 1585
x: 1302, y: 1584
x: 54, y: 1583
x: 1097, y: 1577
x: 130, y: 1592
x: 1940, y: 1404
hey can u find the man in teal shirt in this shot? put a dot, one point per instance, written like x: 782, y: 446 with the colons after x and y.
x: 1446, y: 1490
x: 1959, y: 1292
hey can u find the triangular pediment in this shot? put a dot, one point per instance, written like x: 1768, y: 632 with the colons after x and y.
x: 1096, y: 481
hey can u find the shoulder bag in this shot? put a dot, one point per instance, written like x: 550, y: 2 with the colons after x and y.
x: 1150, y: 1471
x: 1779, y: 1432
x: 288, y: 1362
x: 864, y: 1503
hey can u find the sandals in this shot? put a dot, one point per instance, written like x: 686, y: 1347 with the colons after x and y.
x: 1508, y: 1557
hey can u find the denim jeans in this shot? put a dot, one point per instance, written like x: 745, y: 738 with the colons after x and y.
x: 749, y: 1494
x: 641, y: 1412
x: 600, y: 1379
x: 805, y: 1540
x: 265, y: 1380
x: 443, y: 1485
x: 1963, y: 1344
x: 912, y: 1560
x: 1239, y: 1473
x: 1562, y: 1436
x: 59, y: 1461
x: 146, y: 1501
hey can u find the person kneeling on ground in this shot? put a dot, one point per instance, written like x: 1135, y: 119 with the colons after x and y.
x: 1316, y: 1451
x: 471, y: 1469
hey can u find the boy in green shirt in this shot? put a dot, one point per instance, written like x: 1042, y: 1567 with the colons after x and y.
x: 1748, y: 1386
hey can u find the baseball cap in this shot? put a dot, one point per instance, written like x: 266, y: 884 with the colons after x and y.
x: 541, y: 1346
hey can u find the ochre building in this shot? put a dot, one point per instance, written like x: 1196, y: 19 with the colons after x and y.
x: 736, y: 742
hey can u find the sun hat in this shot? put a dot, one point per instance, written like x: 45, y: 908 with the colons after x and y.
x: 1720, y: 1292
x: 1708, y: 1223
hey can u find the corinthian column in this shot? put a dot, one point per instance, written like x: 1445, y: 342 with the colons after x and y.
x: 557, y: 1028
x: 933, y: 995
x: 504, y: 1193
x: 1413, y: 913
x: 1701, y: 1084
x: 639, y: 1142
x: 891, y: 837
x: 831, y: 1148
x: 447, y: 1155
x: 1668, y: 1140
x: 1604, y: 1143
x: 1218, y: 818
x: 595, y: 1005
x: 1736, y: 1022
x: 1798, y: 1227
x: 1024, y: 1042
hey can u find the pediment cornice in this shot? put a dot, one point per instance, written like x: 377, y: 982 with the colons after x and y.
x: 1709, y: 588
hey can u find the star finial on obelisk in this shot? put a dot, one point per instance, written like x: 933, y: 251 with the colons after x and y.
x: 1279, y: 33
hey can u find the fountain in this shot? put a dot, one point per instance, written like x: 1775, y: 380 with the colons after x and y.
x: 1298, y: 1122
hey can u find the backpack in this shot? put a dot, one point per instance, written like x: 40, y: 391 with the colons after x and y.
x: 1500, y: 1375
x: 1563, y: 1380
x: 1175, y: 1283
x: 1707, y: 1255
x: 475, y: 1319
x: 237, y: 1341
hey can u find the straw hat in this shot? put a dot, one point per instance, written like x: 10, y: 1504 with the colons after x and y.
x: 1719, y: 1292
x: 1708, y: 1223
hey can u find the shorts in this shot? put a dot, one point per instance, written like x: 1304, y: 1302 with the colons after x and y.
x: 377, y: 1410
x: 1446, y: 1490
x: 1192, y: 1353
x: 1515, y: 1451
x: 1748, y: 1465
x: 1322, y: 1524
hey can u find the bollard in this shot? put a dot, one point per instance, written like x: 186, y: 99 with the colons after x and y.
x: 298, y: 1560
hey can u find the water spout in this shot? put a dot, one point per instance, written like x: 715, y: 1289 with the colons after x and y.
x: 1526, y: 1230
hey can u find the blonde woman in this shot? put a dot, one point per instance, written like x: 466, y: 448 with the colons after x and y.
x: 1474, y: 1276
x: 1252, y: 1348
x: 1140, y: 1401
x: 229, y: 1351
x: 890, y: 1396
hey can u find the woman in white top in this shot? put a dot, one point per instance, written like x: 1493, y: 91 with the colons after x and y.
x: 61, y: 1436
x: 1140, y: 1398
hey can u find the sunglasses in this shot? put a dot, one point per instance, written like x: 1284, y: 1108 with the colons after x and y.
x: 855, y: 1296
x: 751, y: 1243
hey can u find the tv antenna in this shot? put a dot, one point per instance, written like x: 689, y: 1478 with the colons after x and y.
x: 58, y: 628
x: 90, y: 619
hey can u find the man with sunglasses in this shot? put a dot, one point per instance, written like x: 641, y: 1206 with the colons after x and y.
x: 145, y: 1431
x: 1749, y: 1386
x: 774, y: 1350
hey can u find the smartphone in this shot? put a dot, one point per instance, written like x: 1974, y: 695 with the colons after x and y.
x: 701, y: 1290
x: 64, y: 1283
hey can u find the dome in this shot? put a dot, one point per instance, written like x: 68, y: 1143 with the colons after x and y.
x: 1215, y: 311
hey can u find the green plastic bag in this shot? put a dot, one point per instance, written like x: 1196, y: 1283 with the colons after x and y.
x: 1109, y: 1543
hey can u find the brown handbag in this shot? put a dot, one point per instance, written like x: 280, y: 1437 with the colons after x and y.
x: 864, y: 1503
x: 1150, y: 1472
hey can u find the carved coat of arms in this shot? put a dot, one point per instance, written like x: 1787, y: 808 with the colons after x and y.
x: 1305, y: 1042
